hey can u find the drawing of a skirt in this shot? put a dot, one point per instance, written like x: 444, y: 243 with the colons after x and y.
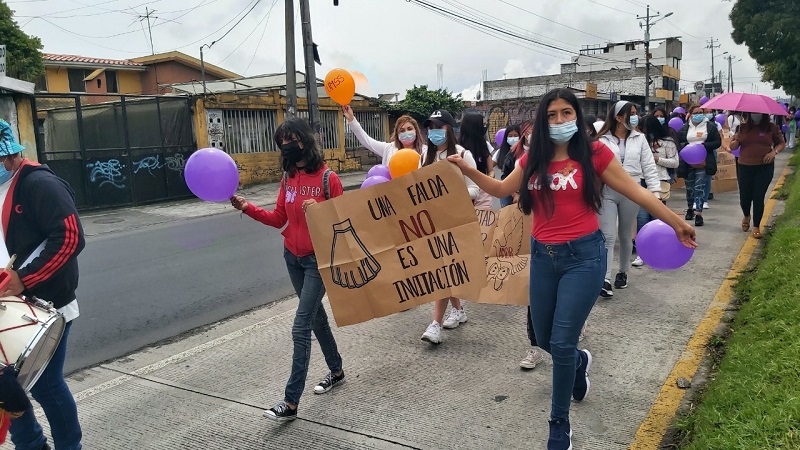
x: 363, y: 266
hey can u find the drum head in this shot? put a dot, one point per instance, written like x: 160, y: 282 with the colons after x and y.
x: 42, y: 348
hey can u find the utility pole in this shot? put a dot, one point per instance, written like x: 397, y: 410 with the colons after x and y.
x: 291, y: 70
x: 730, y: 72
x: 712, y: 44
x: 311, y: 75
x: 149, y: 30
x: 647, y: 24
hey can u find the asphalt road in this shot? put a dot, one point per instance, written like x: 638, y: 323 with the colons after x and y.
x: 140, y: 287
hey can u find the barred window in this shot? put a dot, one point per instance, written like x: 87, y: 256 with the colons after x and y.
x: 373, y: 124
x: 248, y: 130
x: 329, y: 135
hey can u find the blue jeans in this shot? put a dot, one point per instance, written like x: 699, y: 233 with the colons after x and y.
x: 696, y: 188
x: 310, y: 316
x: 52, y: 393
x: 565, y: 281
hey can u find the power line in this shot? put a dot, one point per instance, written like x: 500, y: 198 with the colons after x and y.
x: 611, y: 7
x: 553, y: 21
x: 238, y: 22
x: 265, y: 18
x: 255, y: 50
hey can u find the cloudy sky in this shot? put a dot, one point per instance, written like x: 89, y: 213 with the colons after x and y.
x: 395, y: 43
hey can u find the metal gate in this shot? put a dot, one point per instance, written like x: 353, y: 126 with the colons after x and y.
x: 117, y: 150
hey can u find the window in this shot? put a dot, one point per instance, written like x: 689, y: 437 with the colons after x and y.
x: 76, y: 83
x: 111, y: 81
x: 40, y: 83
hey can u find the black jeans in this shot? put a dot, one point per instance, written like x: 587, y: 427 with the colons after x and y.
x: 753, y: 184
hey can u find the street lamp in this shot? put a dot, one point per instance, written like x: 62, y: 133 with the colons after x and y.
x: 647, y: 25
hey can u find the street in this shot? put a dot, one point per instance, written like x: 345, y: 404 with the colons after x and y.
x: 142, y: 286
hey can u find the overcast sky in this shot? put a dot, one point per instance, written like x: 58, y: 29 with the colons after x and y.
x: 395, y: 43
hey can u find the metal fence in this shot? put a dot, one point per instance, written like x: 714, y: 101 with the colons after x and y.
x: 249, y: 130
x: 329, y: 133
x: 373, y: 123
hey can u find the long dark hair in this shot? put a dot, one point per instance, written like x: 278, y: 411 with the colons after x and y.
x: 590, y: 120
x: 765, y: 125
x: 472, y: 136
x: 504, y: 147
x: 654, y: 130
x: 430, y: 156
x: 298, y: 128
x: 542, y: 151
x: 611, y: 121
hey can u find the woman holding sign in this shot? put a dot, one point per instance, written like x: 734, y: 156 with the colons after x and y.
x: 306, y: 181
x: 406, y: 135
x: 441, y: 144
x: 560, y: 182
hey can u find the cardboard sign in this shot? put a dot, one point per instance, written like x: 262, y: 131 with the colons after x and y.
x: 506, y: 238
x: 399, y: 244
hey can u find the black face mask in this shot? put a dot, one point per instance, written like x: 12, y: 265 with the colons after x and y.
x: 291, y: 154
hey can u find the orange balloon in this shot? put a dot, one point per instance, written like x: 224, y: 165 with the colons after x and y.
x: 403, y: 162
x: 340, y: 86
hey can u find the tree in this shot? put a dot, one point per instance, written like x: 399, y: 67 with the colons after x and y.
x: 769, y: 29
x: 420, y: 102
x: 23, y: 53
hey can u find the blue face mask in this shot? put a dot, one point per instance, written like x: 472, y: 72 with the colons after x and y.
x: 709, y: 116
x: 5, y: 175
x: 512, y: 140
x: 697, y: 118
x: 407, y: 137
x: 437, y: 137
x: 633, y: 120
x: 662, y: 120
x: 563, y: 132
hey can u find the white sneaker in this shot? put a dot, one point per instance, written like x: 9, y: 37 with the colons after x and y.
x: 637, y: 262
x: 455, y: 318
x: 705, y: 205
x: 433, y: 333
x: 532, y: 359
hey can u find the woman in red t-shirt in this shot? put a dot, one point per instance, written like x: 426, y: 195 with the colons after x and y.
x: 560, y: 181
x: 306, y: 181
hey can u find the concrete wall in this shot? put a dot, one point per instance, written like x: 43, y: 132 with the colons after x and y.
x: 169, y: 72
x: 618, y: 56
x: 16, y: 110
x: 128, y: 81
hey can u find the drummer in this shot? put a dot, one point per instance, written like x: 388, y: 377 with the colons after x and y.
x: 40, y: 225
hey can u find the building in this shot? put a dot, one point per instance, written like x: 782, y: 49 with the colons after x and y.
x: 137, y: 76
x: 615, y: 71
x: 16, y: 108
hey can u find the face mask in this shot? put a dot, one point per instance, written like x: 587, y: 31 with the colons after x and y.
x: 662, y: 120
x: 633, y: 121
x: 408, y: 137
x: 291, y: 154
x: 709, y: 116
x: 512, y: 140
x: 563, y: 132
x: 437, y: 137
x: 697, y: 118
x: 756, y: 117
x: 526, y: 147
x: 5, y: 175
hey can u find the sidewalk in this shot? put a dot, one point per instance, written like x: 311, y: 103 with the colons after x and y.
x: 210, y: 389
x: 124, y: 219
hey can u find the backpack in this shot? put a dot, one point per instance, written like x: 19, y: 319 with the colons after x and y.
x: 325, y: 182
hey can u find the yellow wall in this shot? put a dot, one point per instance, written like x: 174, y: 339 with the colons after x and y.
x: 57, y: 80
x: 258, y: 167
x: 129, y: 82
x: 27, y: 134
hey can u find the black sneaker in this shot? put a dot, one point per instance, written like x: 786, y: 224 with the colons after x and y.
x: 581, y: 386
x: 329, y: 382
x: 689, y: 214
x: 698, y: 220
x: 281, y: 413
x: 711, y: 196
x: 560, y: 435
x: 607, y: 291
x: 621, y: 281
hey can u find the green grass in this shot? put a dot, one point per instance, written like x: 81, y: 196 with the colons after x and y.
x: 752, y: 400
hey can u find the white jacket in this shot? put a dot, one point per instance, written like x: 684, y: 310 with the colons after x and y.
x: 383, y: 149
x: 638, y: 159
x: 667, y: 153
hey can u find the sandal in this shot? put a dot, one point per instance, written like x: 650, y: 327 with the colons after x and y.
x: 746, y: 224
x: 757, y: 233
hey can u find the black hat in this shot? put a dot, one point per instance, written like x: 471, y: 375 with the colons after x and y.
x: 440, y: 117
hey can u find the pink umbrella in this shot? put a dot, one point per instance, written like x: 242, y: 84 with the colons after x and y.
x: 739, y: 101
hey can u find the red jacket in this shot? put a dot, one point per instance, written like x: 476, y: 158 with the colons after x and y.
x: 289, y: 208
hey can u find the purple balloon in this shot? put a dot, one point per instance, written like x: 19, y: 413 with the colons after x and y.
x: 212, y: 175
x: 703, y: 100
x: 797, y: 115
x: 785, y: 128
x: 693, y: 153
x: 679, y: 110
x: 659, y: 247
x: 379, y: 171
x: 499, y: 137
x: 720, y: 119
x: 373, y: 180
x: 735, y: 152
x: 675, y: 123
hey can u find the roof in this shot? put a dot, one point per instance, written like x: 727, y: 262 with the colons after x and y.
x: 252, y: 85
x: 84, y: 61
x: 186, y: 60
x: 8, y: 84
